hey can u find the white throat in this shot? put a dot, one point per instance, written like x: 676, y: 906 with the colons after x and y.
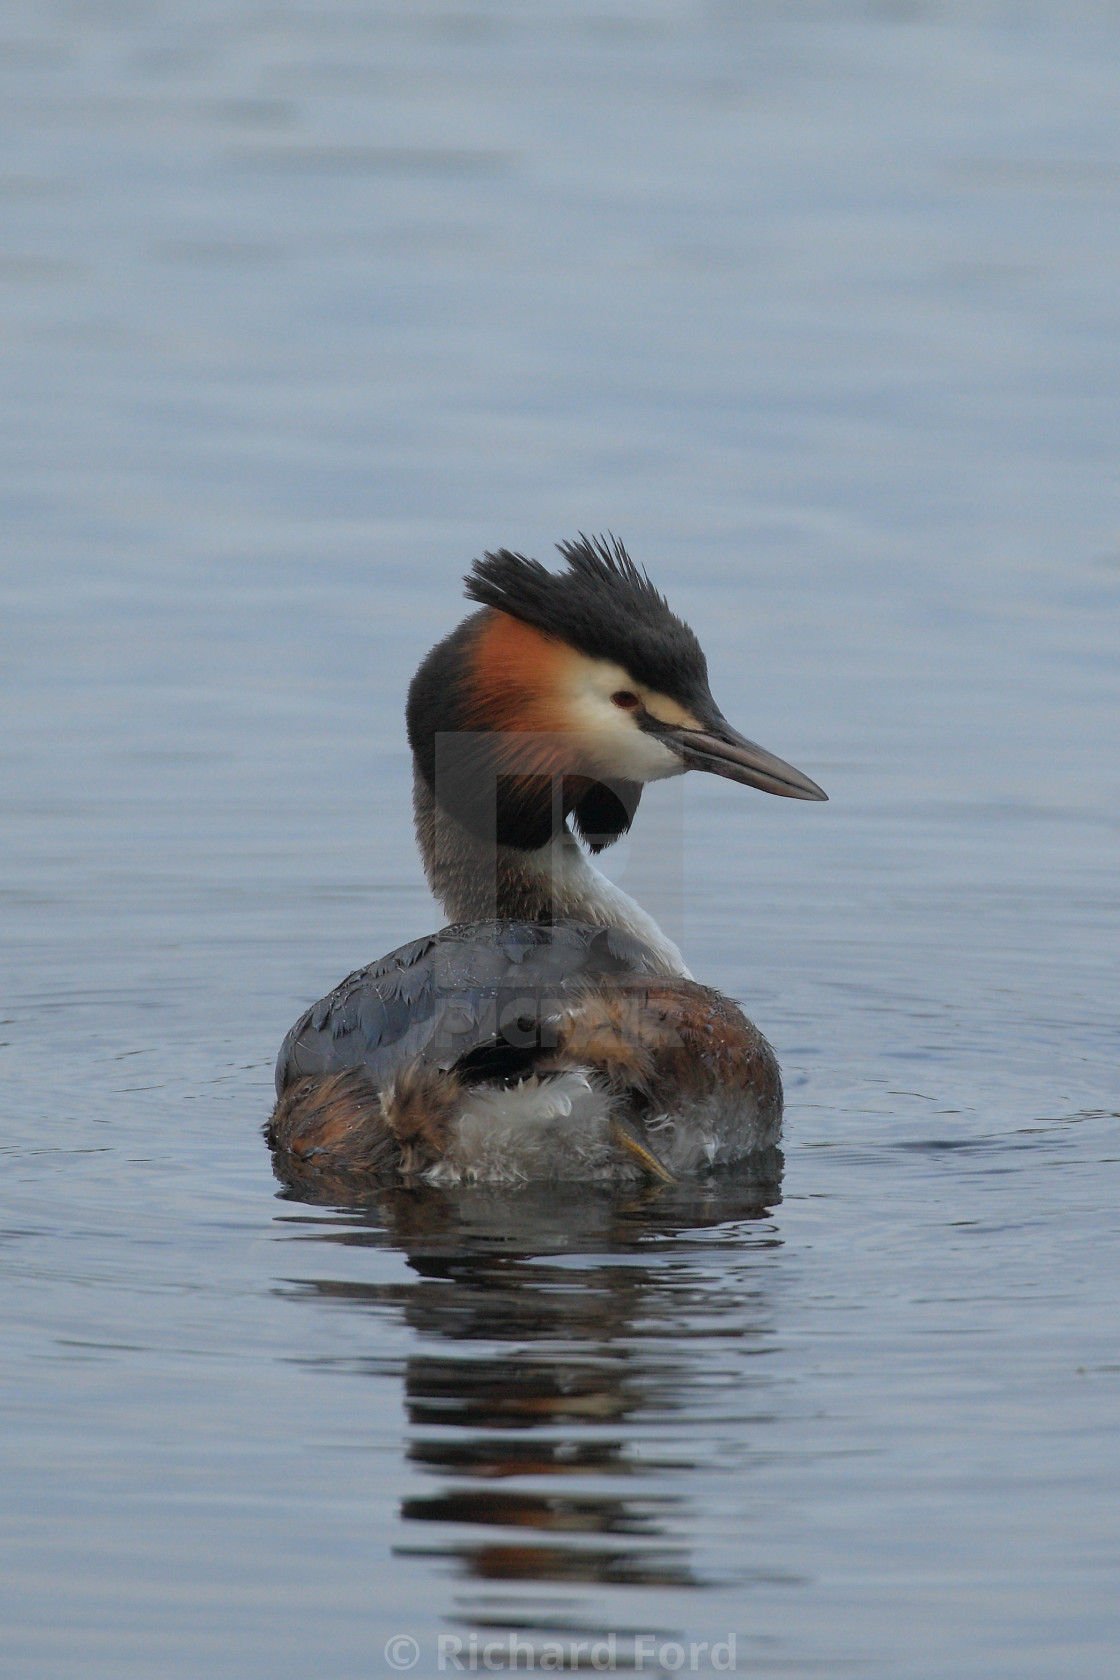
x: 477, y: 881
x: 582, y: 893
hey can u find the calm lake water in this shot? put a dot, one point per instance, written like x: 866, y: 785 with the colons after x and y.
x: 817, y: 305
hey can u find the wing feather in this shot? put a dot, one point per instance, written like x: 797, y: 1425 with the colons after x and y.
x: 440, y: 999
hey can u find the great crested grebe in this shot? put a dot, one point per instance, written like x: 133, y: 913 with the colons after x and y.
x: 552, y: 1030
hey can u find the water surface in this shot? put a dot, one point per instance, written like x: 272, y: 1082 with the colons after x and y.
x: 815, y: 304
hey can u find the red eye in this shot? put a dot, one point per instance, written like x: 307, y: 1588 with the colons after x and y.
x: 625, y: 698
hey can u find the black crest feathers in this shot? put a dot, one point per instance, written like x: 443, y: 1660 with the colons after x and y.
x: 603, y: 604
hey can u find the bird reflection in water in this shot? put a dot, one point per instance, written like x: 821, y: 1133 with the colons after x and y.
x: 591, y: 1385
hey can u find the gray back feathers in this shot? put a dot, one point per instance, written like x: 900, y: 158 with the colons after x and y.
x: 478, y: 996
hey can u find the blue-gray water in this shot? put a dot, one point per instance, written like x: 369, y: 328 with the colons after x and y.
x: 818, y: 306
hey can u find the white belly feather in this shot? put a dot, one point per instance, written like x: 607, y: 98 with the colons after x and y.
x: 559, y: 1128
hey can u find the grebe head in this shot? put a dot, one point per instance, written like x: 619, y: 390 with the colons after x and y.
x: 565, y: 695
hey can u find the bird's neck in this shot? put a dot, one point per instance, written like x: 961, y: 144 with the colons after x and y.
x: 479, y: 880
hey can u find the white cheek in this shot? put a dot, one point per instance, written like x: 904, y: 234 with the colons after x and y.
x: 613, y: 745
x: 640, y: 757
